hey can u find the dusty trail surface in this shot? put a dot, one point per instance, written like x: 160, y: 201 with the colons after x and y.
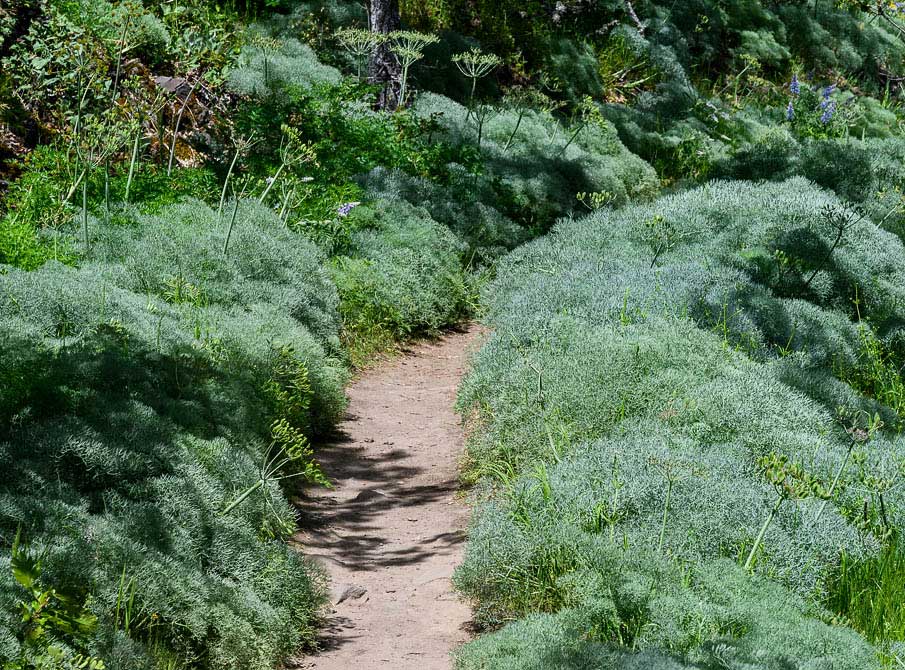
x: 391, y: 531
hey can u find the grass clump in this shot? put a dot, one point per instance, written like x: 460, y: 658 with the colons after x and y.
x: 866, y: 592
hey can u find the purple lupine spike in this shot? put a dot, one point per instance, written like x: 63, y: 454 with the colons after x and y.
x: 790, y: 111
x: 344, y: 209
x: 828, y: 112
x: 828, y: 91
x: 794, y: 85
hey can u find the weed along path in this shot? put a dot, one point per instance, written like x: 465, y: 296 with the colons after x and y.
x: 392, y: 530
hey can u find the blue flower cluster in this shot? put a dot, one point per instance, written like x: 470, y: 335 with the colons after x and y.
x: 827, y: 104
x: 344, y: 209
x: 795, y: 89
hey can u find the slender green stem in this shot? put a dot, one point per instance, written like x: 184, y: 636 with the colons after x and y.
x: 571, y: 139
x: 518, y: 122
x: 665, y: 515
x: 480, y: 128
x: 132, y: 163
x: 75, y: 186
x: 829, y: 493
x: 85, y: 213
x: 273, y: 180
x: 229, y: 174
x: 760, y: 536
x: 468, y: 113
x: 238, y: 501
x: 107, y: 193
x: 284, y: 210
x: 229, y: 231
x: 405, y: 76
x: 119, y: 58
x: 78, y: 109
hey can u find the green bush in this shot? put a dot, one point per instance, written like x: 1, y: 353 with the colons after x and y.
x: 536, y: 167
x: 844, y: 167
x: 268, y: 66
x: 146, y: 389
x: 487, y: 232
x: 404, y: 273
x: 572, y: 70
x: 645, y: 366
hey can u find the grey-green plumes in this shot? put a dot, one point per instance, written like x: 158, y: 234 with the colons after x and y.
x: 723, y: 355
x: 265, y: 72
x: 137, y: 396
x: 537, y: 184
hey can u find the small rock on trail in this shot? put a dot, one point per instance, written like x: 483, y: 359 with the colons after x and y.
x: 392, y: 530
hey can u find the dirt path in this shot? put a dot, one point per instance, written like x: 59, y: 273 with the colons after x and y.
x: 392, y: 530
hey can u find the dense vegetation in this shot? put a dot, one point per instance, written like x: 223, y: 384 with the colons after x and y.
x: 686, y: 447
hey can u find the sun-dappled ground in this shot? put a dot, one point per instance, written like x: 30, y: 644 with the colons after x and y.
x: 392, y: 529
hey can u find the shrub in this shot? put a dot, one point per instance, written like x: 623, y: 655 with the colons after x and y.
x: 487, y: 232
x: 771, y: 155
x: 572, y: 69
x: 403, y: 274
x: 536, y: 171
x: 645, y: 364
x: 268, y: 66
x: 146, y: 389
x: 844, y: 167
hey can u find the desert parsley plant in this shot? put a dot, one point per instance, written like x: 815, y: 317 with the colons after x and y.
x: 408, y: 45
x: 475, y: 65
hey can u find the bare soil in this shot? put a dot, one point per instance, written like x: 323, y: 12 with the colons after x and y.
x: 392, y: 530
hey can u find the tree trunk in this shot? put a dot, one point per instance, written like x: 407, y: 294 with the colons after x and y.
x: 383, y: 68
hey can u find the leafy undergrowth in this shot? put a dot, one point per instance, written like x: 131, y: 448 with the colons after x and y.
x: 867, y: 592
x: 206, y: 222
x: 180, y: 307
x: 143, y: 393
x: 668, y: 463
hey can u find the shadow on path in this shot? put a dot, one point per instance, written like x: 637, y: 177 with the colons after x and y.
x: 391, y: 530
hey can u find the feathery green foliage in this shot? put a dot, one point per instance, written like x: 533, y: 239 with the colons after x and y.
x: 141, y: 388
x: 604, y: 366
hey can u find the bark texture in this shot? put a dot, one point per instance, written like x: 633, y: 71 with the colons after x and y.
x: 384, y: 68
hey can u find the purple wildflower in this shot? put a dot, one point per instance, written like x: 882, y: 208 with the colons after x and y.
x: 790, y: 111
x: 794, y: 85
x: 828, y: 91
x: 345, y: 208
x: 828, y: 112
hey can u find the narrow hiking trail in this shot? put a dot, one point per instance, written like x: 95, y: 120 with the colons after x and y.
x: 392, y: 530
